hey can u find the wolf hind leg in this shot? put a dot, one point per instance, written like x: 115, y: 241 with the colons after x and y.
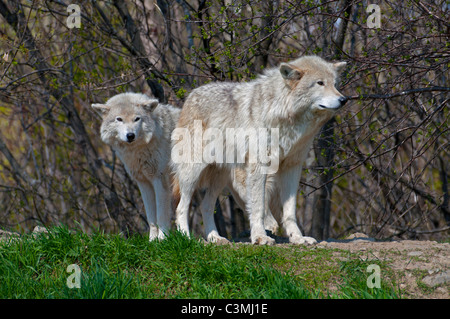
x: 207, y: 207
x: 256, y: 207
x: 188, y: 176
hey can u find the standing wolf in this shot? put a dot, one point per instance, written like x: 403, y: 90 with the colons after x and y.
x: 297, y: 98
x: 138, y: 129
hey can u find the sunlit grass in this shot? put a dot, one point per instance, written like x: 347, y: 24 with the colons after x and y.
x: 177, y: 267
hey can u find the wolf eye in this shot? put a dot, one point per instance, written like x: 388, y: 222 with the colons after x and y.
x: 137, y: 119
x: 119, y: 119
x: 320, y: 82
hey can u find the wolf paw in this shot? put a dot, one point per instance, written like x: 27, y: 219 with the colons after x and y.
x: 217, y: 239
x: 153, y: 237
x: 302, y: 240
x: 263, y: 240
x: 161, y: 235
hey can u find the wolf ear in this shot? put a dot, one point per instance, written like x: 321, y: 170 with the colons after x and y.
x: 101, y: 109
x: 149, y: 105
x: 289, y: 73
x: 339, y: 66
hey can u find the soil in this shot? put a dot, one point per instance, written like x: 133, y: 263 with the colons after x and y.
x: 422, y: 268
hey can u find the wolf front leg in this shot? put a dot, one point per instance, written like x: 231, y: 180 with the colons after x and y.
x: 289, y: 180
x: 256, y: 206
x: 163, y: 208
x: 148, y: 197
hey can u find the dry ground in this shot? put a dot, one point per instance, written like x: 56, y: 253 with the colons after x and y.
x: 422, y: 267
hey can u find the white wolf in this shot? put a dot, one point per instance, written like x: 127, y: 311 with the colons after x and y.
x: 138, y: 129
x: 298, y: 98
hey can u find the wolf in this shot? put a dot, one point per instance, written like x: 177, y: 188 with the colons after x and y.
x: 139, y: 128
x: 297, y: 98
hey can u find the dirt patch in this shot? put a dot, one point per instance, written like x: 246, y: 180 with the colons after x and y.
x: 422, y: 268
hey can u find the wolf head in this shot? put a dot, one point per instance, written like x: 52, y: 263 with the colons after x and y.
x: 312, y: 81
x: 127, y: 119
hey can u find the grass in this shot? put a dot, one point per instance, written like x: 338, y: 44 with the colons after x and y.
x: 177, y: 267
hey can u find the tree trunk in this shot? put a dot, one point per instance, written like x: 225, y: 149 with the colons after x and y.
x: 322, y: 201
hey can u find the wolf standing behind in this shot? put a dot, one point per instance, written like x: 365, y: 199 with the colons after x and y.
x: 138, y: 129
x: 298, y: 98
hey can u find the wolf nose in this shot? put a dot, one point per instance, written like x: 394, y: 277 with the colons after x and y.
x: 130, y: 137
x: 343, y: 100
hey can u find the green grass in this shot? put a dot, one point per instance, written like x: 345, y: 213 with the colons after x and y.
x: 177, y: 267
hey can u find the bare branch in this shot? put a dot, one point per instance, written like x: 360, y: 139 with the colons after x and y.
x: 402, y: 93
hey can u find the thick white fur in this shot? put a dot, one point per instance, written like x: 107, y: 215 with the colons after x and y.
x: 147, y: 156
x: 298, y: 98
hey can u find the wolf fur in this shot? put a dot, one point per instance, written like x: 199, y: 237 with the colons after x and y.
x: 298, y: 98
x: 138, y: 129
